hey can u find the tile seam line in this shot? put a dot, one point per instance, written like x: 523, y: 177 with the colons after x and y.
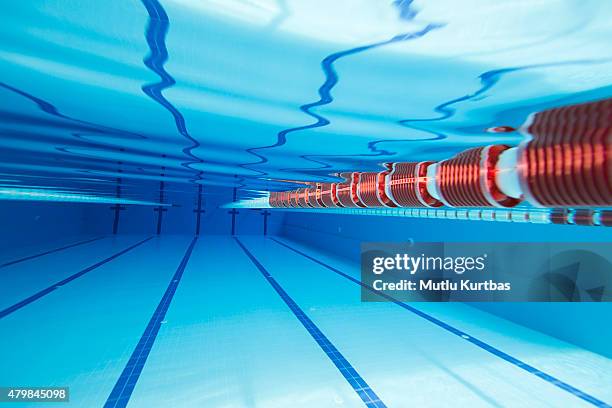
x: 459, y: 333
x: 361, y: 388
x: 51, y: 251
x: 120, y: 394
x: 32, y: 298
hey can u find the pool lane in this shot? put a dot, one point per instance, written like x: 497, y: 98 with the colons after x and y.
x: 20, y: 281
x: 122, y: 391
x: 13, y: 252
x: 229, y: 340
x: 49, y: 251
x: 82, y: 335
x: 558, y: 359
x: 361, y: 387
x: 406, y: 359
x: 59, y: 284
x: 589, y: 372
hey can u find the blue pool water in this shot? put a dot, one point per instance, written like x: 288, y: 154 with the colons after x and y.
x: 127, y: 126
x: 248, y: 93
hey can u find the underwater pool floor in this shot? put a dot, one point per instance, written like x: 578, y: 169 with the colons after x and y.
x: 249, y: 322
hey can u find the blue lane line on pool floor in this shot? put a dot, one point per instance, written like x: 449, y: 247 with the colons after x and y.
x: 122, y: 391
x: 479, y: 343
x: 27, y: 258
x: 351, y: 375
x: 63, y: 282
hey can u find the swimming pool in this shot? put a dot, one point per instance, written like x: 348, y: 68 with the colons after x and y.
x: 146, y: 260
